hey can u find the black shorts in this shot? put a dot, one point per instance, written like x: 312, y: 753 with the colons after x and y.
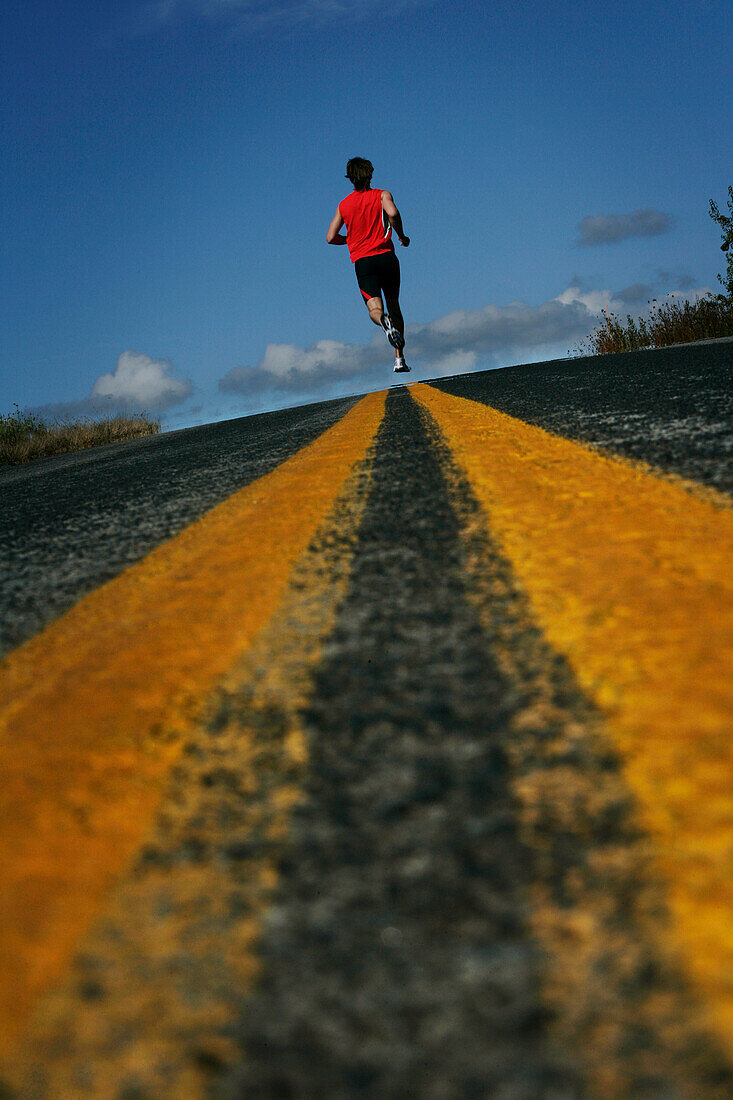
x: 377, y: 274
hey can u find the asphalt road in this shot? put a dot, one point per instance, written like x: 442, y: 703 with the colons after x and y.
x: 403, y: 851
x: 72, y: 522
x: 672, y: 407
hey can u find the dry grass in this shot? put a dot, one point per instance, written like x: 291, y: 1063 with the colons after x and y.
x: 672, y: 323
x: 24, y: 436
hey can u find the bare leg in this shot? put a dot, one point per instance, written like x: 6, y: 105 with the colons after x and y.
x: 376, y: 310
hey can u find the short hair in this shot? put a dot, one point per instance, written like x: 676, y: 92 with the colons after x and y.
x: 360, y: 172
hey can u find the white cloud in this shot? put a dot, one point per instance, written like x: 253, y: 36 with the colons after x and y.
x: 244, y: 16
x: 139, y: 381
x: 137, y: 384
x: 454, y: 343
x: 684, y: 294
x: 457, y: 362
x: 288, y: 368
x: 684, y: 281
x: 637, y: 292
x: 458, y: 342
x: 609, y: 228
x: 593, y: 300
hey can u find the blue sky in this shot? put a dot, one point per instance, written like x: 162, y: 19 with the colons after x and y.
x: 172, y: 166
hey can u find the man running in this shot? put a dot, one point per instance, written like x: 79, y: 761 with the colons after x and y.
x: 370, y: 216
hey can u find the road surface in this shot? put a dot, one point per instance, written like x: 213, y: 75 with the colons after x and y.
x: 390, y: 760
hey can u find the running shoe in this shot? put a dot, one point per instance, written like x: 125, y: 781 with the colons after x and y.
x: 400, y: 366
x: 394, y: 335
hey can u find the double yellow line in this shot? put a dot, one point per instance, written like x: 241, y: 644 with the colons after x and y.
x: 630, y: 576
x: 627, y: 574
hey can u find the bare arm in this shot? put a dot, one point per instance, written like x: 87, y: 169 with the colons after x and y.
x: 334, y: 236
x: 395, y: 220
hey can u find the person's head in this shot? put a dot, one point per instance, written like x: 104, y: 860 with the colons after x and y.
x: 360, y: 172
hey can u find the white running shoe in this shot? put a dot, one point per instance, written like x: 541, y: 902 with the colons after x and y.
x: 400, y: 366
x: 394, y: 335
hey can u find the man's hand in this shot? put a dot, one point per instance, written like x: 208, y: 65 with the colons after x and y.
x: 404, y: 241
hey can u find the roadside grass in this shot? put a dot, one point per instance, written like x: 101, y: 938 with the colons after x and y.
x: 24, y: 436
x: 708, y: 318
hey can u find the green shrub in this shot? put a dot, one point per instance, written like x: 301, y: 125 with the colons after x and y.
x: 725, y: 221
x: 17, y: 425
x: 708, y: 318
x: 24, y: 435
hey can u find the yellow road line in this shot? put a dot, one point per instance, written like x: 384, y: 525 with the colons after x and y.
x: 149, y: 957
x: 97, y: 705
x: 630, y: 577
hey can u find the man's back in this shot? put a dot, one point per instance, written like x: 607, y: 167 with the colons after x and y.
x: 368, y: 228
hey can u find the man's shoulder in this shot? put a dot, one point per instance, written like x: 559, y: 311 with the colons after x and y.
x: 356, y: 198
x: 368, y: 191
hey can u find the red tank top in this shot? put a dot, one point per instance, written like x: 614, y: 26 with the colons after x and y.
x: 368, y: 231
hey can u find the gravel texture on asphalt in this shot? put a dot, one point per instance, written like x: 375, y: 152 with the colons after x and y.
x: 672, y: 407
x: 72, y: 522
x: 464, y: 906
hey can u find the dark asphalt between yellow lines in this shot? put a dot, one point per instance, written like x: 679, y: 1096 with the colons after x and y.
x: 95, y: 708
x: 629, y: 577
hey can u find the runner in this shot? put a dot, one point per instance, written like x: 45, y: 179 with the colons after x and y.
x: 370, y: 216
